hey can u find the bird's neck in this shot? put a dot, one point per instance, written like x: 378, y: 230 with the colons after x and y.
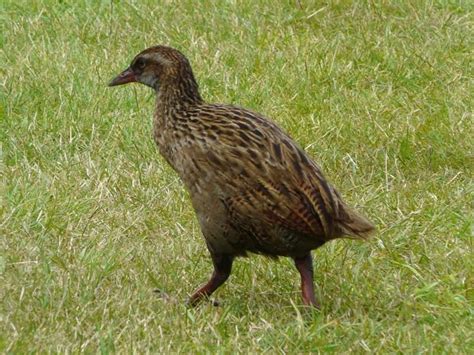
x: 173, y: 100
x: 178, y: 94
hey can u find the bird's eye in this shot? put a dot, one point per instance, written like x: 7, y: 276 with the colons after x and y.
x: 140, y: 63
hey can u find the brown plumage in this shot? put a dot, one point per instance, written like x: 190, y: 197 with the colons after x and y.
x: 252, y: 187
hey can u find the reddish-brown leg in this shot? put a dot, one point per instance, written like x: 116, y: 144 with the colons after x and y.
x: 222, y: 268
x: 305, y: 268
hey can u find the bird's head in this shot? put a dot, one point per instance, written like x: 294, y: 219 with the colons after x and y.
x: 156, y: 67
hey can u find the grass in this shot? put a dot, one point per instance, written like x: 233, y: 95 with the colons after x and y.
x: 92, y: 219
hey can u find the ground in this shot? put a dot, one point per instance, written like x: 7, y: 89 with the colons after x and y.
x: 92, y: 219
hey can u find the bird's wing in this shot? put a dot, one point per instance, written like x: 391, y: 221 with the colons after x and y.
x: 264, y: 175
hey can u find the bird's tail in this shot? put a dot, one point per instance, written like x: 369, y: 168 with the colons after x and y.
x: 353, y: 225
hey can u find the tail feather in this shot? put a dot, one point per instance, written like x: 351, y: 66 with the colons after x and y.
x: 353, y: 225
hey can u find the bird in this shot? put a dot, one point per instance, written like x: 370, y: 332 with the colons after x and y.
x: 253, y: 188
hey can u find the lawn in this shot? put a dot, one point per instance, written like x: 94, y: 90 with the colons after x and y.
x: 93, y: 220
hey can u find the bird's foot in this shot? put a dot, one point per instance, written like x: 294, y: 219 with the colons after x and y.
x: 193, y: 302
x: 163, y: 295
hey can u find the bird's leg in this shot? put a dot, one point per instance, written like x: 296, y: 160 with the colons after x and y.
x: 222, y: 268
x: 305, y: 268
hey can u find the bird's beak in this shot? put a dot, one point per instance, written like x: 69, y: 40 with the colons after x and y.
x: 125, y: 77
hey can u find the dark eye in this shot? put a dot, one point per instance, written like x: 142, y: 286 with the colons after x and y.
x: 139, y: 64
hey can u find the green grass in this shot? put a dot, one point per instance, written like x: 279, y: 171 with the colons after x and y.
x: 92, y: 219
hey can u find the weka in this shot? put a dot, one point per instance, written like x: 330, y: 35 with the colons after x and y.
x: 252, y: 187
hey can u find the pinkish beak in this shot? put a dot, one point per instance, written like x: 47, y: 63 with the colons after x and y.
x: 125, y: 77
